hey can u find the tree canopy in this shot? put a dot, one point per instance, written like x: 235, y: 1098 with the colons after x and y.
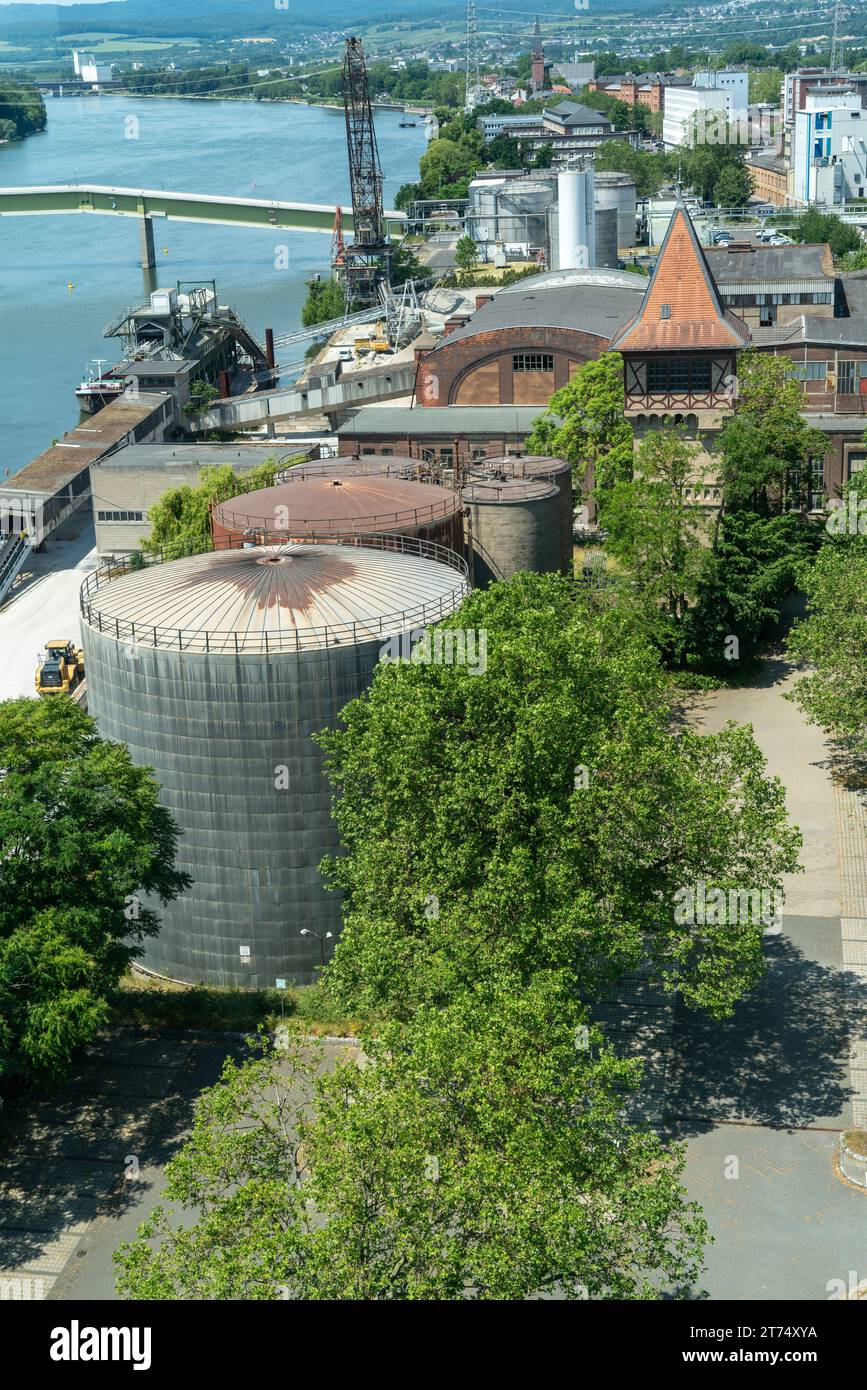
x: 548, y: 811
x: 181, y: 519
x: 585, y: 424
x: 82, y: 837
x: 498, y: 1168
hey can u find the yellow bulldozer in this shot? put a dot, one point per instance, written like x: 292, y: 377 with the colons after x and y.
x: 60, y: 670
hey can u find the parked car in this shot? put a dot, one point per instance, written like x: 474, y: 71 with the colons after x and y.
x: 722, y: 238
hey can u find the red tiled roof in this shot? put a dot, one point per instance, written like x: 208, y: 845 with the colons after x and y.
x: 695, y: 317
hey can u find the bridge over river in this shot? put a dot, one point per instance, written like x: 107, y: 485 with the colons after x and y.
x: 146, y: 204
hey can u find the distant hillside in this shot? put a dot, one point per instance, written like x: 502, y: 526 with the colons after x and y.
x: 231, y: 18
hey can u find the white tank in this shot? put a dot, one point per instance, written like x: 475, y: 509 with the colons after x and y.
x: 576, y: 229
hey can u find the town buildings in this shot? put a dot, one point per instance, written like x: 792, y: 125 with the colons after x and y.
x: 719, y: 96
x: 572, y: 128
x: 829, y: 145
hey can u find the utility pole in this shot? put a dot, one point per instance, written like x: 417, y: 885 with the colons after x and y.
x: 835, y: 39
x: 368, y: 259
x: 474, y: 80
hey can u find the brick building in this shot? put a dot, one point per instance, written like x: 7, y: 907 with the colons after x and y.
x: 527, y: 341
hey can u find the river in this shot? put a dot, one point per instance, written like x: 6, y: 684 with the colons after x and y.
x: 62, y: 278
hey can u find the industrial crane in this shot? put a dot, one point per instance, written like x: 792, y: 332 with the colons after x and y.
x: 368, y: 258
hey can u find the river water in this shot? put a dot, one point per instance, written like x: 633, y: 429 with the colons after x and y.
x: 50, y: 333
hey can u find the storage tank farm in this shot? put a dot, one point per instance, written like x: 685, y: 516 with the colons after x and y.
x: 216, y: 669
x: 545, y: 469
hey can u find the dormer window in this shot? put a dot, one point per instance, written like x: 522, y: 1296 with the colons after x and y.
x: 665, y: 311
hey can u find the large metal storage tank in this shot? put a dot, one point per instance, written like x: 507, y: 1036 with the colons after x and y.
x: 605, y: 220
x: 577, y: 249
x: 215, y: 670
x: 545, y: 469
x: 337, y: 505
x: 365, y: 466
x: 617, y: 190
x: 514, y: 525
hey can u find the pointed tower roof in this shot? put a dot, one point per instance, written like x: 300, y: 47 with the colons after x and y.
x: 682, y: 309
x: 537, y: 40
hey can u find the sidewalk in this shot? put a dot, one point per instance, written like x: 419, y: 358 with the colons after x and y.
x: 762, y: 1097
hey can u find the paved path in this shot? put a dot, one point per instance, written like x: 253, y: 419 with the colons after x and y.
x: 761, y: 1098
x: 44, y: 603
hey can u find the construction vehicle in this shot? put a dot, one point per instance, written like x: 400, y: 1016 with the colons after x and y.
x: 60, y: 670
x: 379, y: 341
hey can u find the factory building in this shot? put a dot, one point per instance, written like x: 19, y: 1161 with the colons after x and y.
x: 216, y: 670
x: 529, y: 339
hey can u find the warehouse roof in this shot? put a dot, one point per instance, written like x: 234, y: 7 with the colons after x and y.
x: 277, y: 598
x: 810, y: 261
x: 63, y: 462
x: 586, y: 301
x: 445, y: 420
x: 164, y: 457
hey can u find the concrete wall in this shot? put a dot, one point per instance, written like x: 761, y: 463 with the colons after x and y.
x: 512, y: 536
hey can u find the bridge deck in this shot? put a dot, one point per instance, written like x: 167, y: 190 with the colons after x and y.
x: 49, y: 199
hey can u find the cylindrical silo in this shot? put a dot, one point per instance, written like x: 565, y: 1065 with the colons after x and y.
x: 337, y: 505
x: 514, y: 525
x: 544, y: 469
x: 606, y: 238
x: 617, y: 190
x: 576, y: 226
x: 216, y: 670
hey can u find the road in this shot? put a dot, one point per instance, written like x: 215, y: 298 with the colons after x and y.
x: 44, y: 604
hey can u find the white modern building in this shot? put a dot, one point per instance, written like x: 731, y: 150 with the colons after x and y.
x: 89, y: 70
x: 829, y: 147
x: 717, y: 99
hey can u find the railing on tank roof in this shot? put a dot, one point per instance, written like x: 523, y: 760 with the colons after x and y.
x: 331, y: 526
x: 262, y: 640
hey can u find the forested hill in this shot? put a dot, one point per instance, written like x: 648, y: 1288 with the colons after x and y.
x: 230, y: 18
x: 22, y: 111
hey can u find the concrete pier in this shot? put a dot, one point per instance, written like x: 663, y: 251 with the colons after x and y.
x: 146, y: 238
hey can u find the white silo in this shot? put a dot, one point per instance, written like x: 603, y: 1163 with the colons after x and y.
x: 576, y: 225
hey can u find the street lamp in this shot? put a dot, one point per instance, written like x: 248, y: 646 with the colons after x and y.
x: 321, y: 938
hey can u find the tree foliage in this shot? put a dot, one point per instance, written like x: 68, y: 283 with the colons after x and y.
x: 585, y: 424
x: 766, y: 445
x: 815, y: 226
x: 833, y: 636
x: 657, y: 532
x: 82, y: 837
x: 463, y: 792
x: 181, y: 519
x: 479, y: 1153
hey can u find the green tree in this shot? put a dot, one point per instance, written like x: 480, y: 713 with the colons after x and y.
x: 815, y: 226
x: 82, y: 837
x: 733, y: 188
x: 766, y: 445
x: 181, y: 519
x: 505, y: 153
x: 202, y: 393
x: 754, y: 565
x: 479, y: 1154
x: 833, y: 636
x: 648, y: 170
x: 657, y: 532
x: 765, y: 85
x: 585, y: 424
x: 541, y: 819
x: 325, y: 301
x: 466, y: 253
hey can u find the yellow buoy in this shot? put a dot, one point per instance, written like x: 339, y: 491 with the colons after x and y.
x: 70, y: 286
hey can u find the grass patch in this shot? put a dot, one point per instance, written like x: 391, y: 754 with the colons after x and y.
x: 856, y: 1141
x: 143, y: 1002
